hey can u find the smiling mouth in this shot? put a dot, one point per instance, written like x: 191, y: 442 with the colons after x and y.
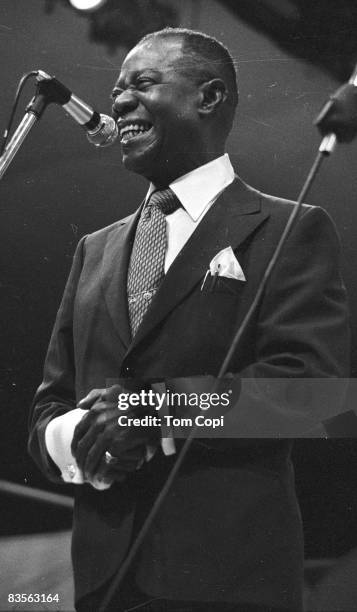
x: 131, y: 131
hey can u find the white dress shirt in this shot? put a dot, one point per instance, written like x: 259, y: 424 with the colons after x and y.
x: 197, y: 191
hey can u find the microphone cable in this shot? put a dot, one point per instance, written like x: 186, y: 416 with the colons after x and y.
x: 19, y: 89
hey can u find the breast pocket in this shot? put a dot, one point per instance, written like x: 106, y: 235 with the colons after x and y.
x: 221, y: 284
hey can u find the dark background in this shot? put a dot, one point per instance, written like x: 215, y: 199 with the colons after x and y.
x: 290, y: 57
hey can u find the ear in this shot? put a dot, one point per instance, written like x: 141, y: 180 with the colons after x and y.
x: 212, y: 94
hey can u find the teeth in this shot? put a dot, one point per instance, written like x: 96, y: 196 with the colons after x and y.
x: 133, y: 129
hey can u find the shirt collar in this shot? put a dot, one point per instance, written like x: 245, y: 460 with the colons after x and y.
x: 198, y: 188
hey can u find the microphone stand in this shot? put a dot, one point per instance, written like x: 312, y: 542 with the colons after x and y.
x: 33, y: 114
x: 337, y: 122
x: 16, y: 141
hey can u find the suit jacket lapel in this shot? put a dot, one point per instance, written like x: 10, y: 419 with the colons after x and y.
x: 114, y: 274
x: 234, y: 216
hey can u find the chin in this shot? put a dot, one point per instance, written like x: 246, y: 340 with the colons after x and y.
x: 142, y: 164
x: 135, y: 165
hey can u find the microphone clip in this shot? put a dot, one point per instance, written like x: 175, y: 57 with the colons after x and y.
x: 339, y: 115
x: 48, y: 91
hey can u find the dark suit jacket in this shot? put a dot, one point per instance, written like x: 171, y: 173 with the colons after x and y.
x: 230, y: 528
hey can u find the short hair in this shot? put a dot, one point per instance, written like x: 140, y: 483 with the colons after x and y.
x: 210, y: 58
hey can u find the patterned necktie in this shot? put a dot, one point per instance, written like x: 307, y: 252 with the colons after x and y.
x: 146, y: 268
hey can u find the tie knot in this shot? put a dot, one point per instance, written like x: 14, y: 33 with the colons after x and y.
x: 166, y: 200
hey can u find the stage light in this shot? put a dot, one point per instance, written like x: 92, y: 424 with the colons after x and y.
x: 87, y: 5
x: 119, y: 23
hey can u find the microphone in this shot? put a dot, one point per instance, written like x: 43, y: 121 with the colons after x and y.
x: 101, y: 129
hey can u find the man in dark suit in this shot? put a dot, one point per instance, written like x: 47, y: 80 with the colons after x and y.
x: 228, y: 535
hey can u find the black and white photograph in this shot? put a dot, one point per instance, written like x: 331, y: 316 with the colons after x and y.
x: 178, y: 299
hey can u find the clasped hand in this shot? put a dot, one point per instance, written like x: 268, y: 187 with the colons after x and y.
x: 99, y: 431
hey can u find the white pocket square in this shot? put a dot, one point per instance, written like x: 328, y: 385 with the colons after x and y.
x: 226, y: 264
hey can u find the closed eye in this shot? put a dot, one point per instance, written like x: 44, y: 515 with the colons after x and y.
x: 141, y: 84
x: 144, y: 82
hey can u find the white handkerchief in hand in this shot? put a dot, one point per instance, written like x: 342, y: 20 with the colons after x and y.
x: 58, y: 436
x: 226, y: 264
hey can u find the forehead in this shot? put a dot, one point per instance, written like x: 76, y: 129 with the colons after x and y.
x: 156, y: 54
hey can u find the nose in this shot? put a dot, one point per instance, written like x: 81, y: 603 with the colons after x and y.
x: 124, y: 103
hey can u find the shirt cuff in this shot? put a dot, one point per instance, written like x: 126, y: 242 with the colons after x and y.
x: 168, y: 446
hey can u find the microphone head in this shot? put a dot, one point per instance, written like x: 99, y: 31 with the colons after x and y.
x: 105, y: 133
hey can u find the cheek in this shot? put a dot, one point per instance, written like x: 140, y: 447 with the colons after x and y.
x: 173, y: 107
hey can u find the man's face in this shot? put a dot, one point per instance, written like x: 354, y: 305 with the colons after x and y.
x: 157, y: 111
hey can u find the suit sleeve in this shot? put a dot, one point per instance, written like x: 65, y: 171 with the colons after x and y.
x: 302, y: 342
x: 56, y: 394
x: 303, y: 326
